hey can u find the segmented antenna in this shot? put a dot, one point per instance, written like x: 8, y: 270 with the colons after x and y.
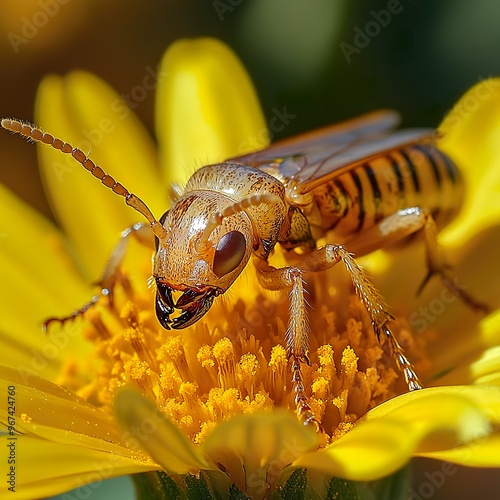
x: 131, y: 199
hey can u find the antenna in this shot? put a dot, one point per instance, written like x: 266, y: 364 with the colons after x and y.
x: 131, y: 199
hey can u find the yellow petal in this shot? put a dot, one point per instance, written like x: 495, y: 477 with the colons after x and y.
x: 419, y: 422
x: 486, y: 370
x: 39, y: 280
x: 471, y: 134
x: 490, y: 329
x: 83, y: 110
x: 61, y: 441
x: 481, y: 453
x: 48, y: 406
x: 206, y: 110
x: 40, y: 251
x: 156, y: 434
x: 484, y: 398
x: 46, y: 468
x: 384, y: 447
x: 255, y: 448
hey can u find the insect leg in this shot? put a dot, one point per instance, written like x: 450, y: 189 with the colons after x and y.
x: 142, y: 232
x: 328, y: 256
x: 404, y: 223
x: 297, y: 334
x: 437, y: 265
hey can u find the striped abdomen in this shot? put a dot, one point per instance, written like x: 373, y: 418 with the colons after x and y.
x: 413, y: 176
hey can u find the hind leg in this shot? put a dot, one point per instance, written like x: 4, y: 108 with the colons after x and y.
x: 404, y: 223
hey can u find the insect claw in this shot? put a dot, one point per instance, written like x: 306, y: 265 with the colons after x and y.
x: 193, y: 311
x: 188, y: 297
x: 424, y: 282
x: 164, y: 306
x: 72, y: 316
x: 311, y: 422
x: 47, y: 322
x: 457, y: 290
x: 182, y: 321
x: 194, y: 303
x: 164, y: 294
x: 402, y: 361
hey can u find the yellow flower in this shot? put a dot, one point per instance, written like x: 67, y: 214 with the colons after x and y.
x: 211, y: 407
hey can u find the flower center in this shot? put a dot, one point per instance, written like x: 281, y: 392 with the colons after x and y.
x: 234, y: 359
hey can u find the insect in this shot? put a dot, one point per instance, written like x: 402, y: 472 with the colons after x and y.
x: 360, y: 184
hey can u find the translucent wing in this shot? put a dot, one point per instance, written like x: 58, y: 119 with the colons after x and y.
x: 311, y: 159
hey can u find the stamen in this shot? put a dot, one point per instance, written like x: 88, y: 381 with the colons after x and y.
x: 225, y: 357
x: 249, y: 367
x: 214, y: 370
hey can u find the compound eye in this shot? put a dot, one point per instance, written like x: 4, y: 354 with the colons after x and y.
x: 229, y: 253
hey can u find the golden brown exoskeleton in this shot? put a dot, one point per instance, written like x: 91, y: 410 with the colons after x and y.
x: 359, y: 184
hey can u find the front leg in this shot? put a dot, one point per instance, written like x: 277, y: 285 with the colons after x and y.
x: 143, y: 234
x: 297, y: 334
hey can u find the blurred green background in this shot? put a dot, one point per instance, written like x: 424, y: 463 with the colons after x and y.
x: 319, y: 61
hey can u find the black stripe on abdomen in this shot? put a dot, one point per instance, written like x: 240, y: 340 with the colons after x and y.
x: 430, y: 158
x: 343, y: 193
x: 377, y: 196
x: 361, y: 201
x: 413, y: 170
x: 399, y: 176
x: 451, y: 169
